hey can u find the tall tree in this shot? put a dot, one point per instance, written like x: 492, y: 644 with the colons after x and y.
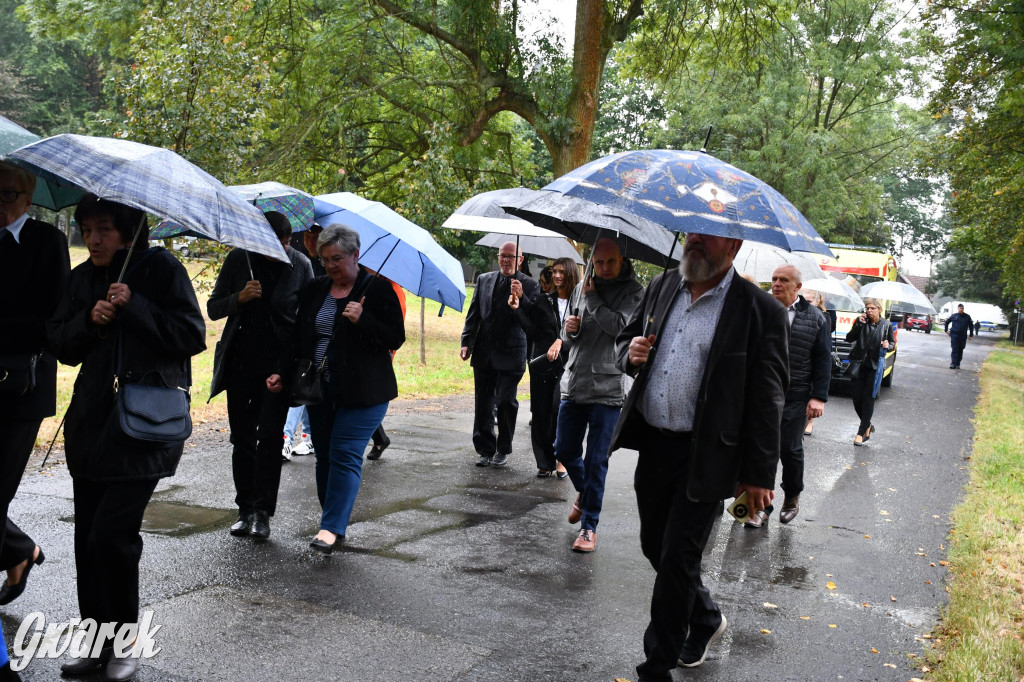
x: 809, y: 105
x: 981, y: 101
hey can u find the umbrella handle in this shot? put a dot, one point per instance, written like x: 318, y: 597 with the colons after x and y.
x: 249, y: 263
x: 131, y: 248
x: 649, y: 323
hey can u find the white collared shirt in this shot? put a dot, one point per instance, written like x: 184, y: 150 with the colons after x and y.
x: 670, y: 396
x: 15, y: 228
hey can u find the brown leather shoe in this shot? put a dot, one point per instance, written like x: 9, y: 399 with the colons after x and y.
x: 790, y: 508
x: 575, y: 514
x: 586, y: 542
x: 758, y: 519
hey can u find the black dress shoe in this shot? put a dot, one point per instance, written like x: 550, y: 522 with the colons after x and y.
x: 77, y: 667
x: 260, y: 525
x: 9, y: 593
x: 242, y: 526
x: 790, y: 508
x: 121, y: 669
x: 322, y: 547
x: 378, y: 448
x: 759, y: 519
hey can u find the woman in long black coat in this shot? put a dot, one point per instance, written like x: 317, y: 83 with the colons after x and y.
x: 870, y: 334
x: 154, y: 317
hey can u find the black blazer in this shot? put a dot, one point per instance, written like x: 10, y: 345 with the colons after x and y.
x: 501, y: 332
x: 33, y: 278
x: 358, y: 355
x: 739, y: 404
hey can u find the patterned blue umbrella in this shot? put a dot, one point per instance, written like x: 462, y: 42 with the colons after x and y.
x: 154, y: 180
x: 688, y: 191
x: 294, y: 204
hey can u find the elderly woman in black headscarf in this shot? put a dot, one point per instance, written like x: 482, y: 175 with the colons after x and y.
x: 142, y: 327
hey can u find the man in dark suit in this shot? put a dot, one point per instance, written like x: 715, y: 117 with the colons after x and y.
x: 34, y: 271
x: 493, y: 335
x: 711, y: 359
x: 962, y: 327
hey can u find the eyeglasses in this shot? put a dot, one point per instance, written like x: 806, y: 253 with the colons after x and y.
x: 9, y: 196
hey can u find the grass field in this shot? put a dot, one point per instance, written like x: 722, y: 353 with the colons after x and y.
x: 443, y: 373
x: 982, y: 634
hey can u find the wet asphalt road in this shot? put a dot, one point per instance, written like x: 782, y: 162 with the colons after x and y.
x: 456, y: 573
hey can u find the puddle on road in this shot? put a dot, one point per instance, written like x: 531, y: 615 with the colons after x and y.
x: 180, y: 520
x: 792, y: 576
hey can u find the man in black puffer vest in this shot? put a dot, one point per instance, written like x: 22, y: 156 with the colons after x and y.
x: 810, y: 368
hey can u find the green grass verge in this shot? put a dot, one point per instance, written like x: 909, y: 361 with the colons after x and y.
x: 980, y: 637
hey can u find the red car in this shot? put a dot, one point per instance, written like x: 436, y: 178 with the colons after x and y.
x: 919, y: 322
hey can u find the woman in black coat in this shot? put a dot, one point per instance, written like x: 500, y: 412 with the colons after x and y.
x: 869, y: 335
x: 546, y: 319
x: 152, y: 320
x: 349, y: 322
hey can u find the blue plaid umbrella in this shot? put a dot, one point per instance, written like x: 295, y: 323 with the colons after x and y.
x: 398, y: 249
x: 48, y: 194
x: 293, y: 203
x: 689, y: 191
x: 154, y: 180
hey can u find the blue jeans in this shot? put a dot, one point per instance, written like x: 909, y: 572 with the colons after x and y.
x: 587, y: 475
x: 339, y: 438
x: 295, y: 415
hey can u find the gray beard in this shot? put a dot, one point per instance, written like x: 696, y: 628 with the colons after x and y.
x: 700, y: 268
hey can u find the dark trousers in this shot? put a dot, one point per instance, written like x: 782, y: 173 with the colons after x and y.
x: 673, y: 533
x: 256, y: 417
x: 108, y: 547
x: 794, y: 420
x: 495, y: 387
x: 544, y: 399
x: 17, y: 436
x: 863, y: 387
x: 957, y: 343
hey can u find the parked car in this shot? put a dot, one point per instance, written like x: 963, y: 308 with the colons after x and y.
x: 920, y: 322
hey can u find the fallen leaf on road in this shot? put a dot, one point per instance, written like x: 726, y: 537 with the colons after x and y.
x: 849, y: 467
x: 936, y: 516
x: 920, y: 554
x: 888, y: 665
x: 765, y: 631
x: 892, y: 598
x: 926, y: 636
x: 927, y: 582
x: 866, y: 605
x: 883, y: 513
x: 768, y: 605
x: 831, y: 625
x: 943, y: 563
x: 925, y: 669
x: 805, y: 617
x: 874, y: 650
x: 830, y: 585
x: 867, y: 537
x: 893, y: 490
x: 622, y: 679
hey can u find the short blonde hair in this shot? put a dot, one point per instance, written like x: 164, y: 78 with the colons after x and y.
x: 870, y: 300
x: 25, y: 180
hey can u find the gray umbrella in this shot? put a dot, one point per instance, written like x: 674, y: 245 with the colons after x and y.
x: 555, y: 246
x: 484, y: 212
x: 585, y: 221
x: 49, y: 193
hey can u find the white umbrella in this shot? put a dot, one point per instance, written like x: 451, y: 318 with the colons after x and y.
x: 761, y: 260
x: 905, y: 298
x: 837, y: 294
x: 555, y: 246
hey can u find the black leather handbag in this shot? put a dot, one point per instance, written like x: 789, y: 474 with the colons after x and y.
x: 152, y: 415
x: 18, y: 373
x: 305, y: 385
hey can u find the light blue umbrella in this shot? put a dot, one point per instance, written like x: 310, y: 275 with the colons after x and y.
x: 48, y: 194
x: 154, y: 180
x: 398, y: 249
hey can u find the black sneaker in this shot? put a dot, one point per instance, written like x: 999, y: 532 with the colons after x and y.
x: 483, y: 460
x: 695, y: 649
x: 499, y: 460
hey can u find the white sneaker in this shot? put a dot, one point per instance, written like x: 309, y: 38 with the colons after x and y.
x: 305, y: 446
x: 286, y: 451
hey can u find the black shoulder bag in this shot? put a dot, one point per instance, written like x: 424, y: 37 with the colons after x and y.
x: 305, y: 384
x: 18, y: 373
